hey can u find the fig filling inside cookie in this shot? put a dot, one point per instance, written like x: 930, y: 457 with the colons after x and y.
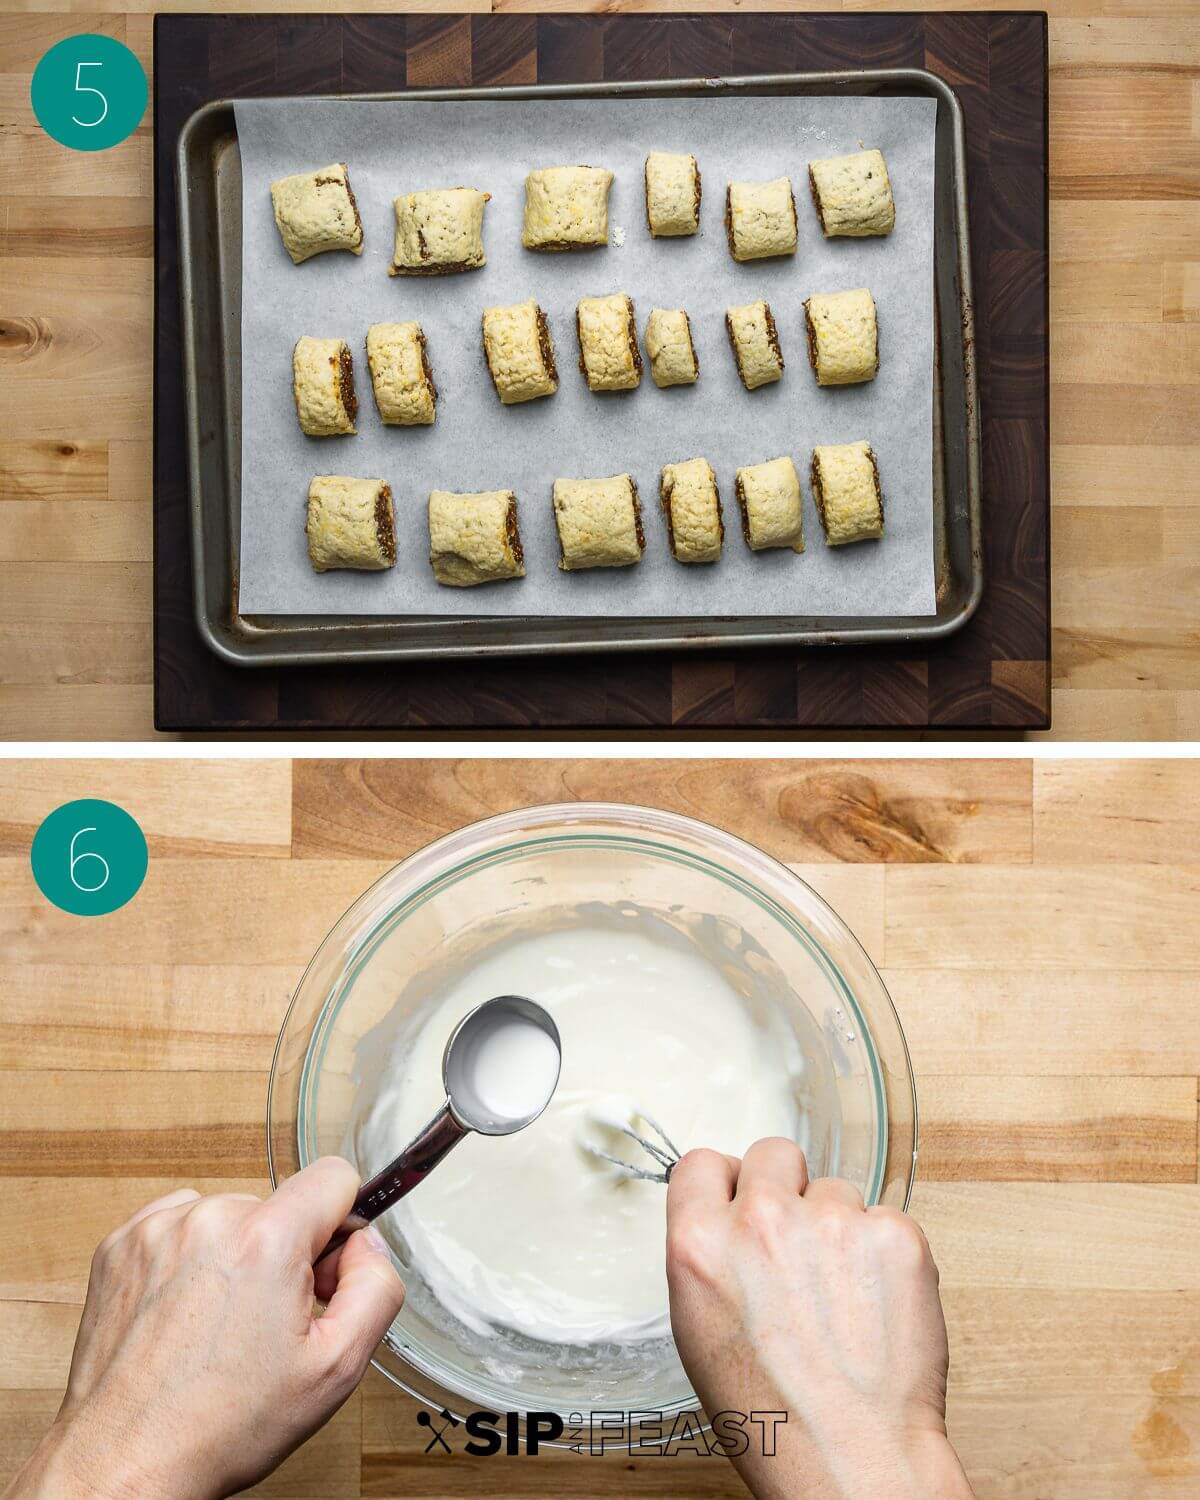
x: 816, y: 198
x: 772, y: 331
x: 814, y: 475
x: 666, y: 489
x: 637, y: 514
x: 631, y: 332
x: 545, y: 347
x: 687, y: 328
x: 511, y: 533
x: 425, y: 370
x: 345, y: 381
x: 811, y: 330
x: 739, y: 490
x: 875, y: 478
x: 385, y: 529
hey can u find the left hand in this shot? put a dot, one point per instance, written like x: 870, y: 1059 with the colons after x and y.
x: 200, y: 1363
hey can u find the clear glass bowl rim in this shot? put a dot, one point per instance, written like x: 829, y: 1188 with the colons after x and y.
x: 457, y: 854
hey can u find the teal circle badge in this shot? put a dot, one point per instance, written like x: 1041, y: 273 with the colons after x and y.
x: 89, y: 857
x: 89, y: 92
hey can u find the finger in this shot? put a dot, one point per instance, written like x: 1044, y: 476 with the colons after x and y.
x: 700, y: 1180
x: 834, y: 1190
x: 368, y: 1295
x: 313, y: 1203
x: 168, y: 1200
x: 773, y: 1164
x: 325, y: 1275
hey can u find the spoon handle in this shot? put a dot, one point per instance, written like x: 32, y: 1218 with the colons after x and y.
x: 400, y: 1175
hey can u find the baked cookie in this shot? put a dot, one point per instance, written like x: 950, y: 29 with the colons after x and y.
x: 672, y: 195
x: 760, y: 219
x: 853, y: 194
x: 316, y: 211
x: 608, y: 348
x: 755, y: 342
x: 843, y: 337
x: 400, y: 375
x: 845, y: 486
x: 692, y: 506
x: 768, y: 496
x: 599, y: 522
x: 670, y: 348
x: 474, y: 538
x: 520, y: 353
x: 323, y: 385
x: 439, y: 231
x: 350, y: 524
x: 566, y: 208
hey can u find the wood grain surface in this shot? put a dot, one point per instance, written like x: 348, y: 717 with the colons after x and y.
x: 1037, y: 925
x: 76, y: 286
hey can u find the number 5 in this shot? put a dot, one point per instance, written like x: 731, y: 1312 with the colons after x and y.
x: 78, y: 859
x: 84, y: 88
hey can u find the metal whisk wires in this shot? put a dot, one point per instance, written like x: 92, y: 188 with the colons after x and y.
x: 663, y: 1151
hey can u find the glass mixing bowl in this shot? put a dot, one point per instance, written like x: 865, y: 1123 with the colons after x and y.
x: 421, y: 926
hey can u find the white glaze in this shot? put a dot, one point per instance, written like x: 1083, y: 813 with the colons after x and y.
x: 531, y: 1231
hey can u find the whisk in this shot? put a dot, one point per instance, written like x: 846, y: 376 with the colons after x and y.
x: 664, y: 1151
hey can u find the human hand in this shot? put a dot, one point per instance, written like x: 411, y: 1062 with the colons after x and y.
x: 199, y: 1364
x: 789, y: 1296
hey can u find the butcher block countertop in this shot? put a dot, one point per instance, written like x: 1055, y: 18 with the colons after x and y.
x: 1038, y: 927
x: 76, y: 289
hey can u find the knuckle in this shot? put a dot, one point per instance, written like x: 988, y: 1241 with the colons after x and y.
x: 839, y: 1192
x: 835, y: 1224
x: 763, y: 1216
x: 901, y: 1235
x: 782, y: 1144
x: 162, y: 1222
x: 103, y: 1255
x: 691, y: 1250
x: 206, y: 1216
x: 696, y: 1159
x: 218, y: 1220
x: 260, y: 1236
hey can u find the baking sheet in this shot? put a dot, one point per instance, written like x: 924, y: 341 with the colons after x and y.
x: 394, y: 146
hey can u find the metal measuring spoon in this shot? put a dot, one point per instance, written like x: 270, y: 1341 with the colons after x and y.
x: 464, y: 1110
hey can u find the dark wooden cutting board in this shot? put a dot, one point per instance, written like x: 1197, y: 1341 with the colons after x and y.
x: 995, y: 673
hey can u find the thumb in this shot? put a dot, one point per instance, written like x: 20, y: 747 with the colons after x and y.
x: 368, y: 1295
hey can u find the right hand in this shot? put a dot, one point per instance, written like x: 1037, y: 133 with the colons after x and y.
x: 791, y: 1296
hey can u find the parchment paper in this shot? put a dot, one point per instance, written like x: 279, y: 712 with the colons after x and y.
x: 476, y: 444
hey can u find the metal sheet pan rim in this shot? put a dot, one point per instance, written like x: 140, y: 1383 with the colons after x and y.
x: 243, y: 643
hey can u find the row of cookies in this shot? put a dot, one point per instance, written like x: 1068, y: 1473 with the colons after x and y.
x: 439, y: 231
x: 843, y: 347
x: 475, y: 538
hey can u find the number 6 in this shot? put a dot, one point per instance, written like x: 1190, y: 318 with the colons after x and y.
x: 78, y: 859
x: 85, y: 88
